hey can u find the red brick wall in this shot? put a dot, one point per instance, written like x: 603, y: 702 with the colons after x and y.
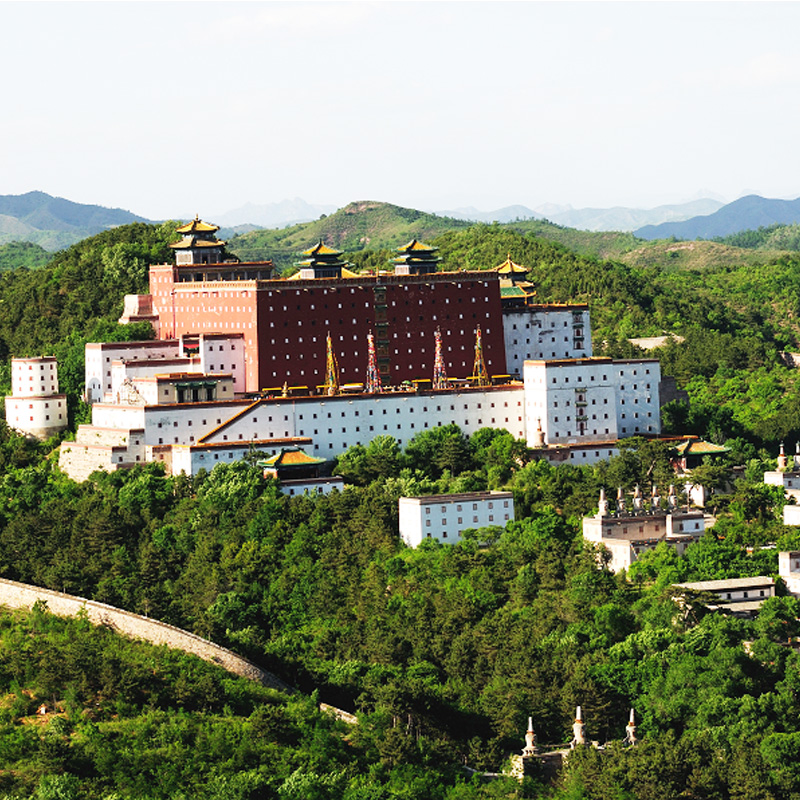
x: 285, y: 323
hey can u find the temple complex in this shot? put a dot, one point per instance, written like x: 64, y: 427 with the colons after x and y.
x: 327, y: 358
x: 628, y: 530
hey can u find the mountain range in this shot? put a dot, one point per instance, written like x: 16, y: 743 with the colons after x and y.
x: 618, y: 218
x: 746, y: 213
x: 53, y: 222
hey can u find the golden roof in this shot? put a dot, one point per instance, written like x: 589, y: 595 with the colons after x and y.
x: 509, y: 267
x: 416, y: 246
x: 291, y: 458
x: 321, y: 249
x: 700, y: 447
x: 193, y: 242
x: 346, y: 273
x: 198, y: 226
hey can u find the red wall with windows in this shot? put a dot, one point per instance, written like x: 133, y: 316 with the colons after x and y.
x: 285, y: 323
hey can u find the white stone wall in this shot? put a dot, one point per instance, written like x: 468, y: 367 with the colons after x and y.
x: 100, y: 355
x: 789, y: 561
x: 580, y: 454
x: 789, y: 480
x: 545, y: 332
x: 445, y: 517
x: 21, y: 595
x: 224, y: 354
x: 34, y: 377
x: 576, y: 401
x: 187, y: 423
x: 37, y: 416
x: 312, y: 486
x: 107, y: 415
x: 337, y: 423
x: 638, y: 406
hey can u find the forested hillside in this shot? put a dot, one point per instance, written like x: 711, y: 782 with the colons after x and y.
x: 22, y: 254
x: 442, y: 651
x: 54, y: 222
x: 356, y: 227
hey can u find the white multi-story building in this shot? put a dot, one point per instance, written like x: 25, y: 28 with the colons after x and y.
x: 789, y: 479
x: 544, y: 332
x: 444, y: 517
x: 568, y: 409
x: 577, y: 401
x: 35, y: 406
x: 184, y: 399
x: 740, y: 596
x: 110, y: 364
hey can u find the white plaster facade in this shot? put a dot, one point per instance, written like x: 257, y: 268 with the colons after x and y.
x: 739, y: 595
x: 543, y: 332
x: 110, y: 364
x: 789, y: 568
x: 445, y: 517
x: 627, y: 536
x: 790, y: 480
x: 791, y: 515
x: 35, y: 406
x: 592, y: 400
x: 312, y: 486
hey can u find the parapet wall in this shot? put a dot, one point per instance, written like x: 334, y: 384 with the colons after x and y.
x: 23, y: 595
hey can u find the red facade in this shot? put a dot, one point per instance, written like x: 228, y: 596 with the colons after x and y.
x: 286, y: 322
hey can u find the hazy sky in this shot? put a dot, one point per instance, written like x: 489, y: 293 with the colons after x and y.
x: 168, y: 109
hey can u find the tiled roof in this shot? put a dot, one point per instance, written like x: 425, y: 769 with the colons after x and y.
x: 198, y: 226
x: 321, y: 249
x: 416, y: 246
x: 699, y: 447
x: 508, y: 266
x: 292, y: 458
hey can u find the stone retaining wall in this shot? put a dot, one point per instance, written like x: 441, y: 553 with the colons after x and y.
x: 23, y: 595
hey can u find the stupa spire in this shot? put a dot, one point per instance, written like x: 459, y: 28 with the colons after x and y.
x: 630, y: 730
x: 578, y: 730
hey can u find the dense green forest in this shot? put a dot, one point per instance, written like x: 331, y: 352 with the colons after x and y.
x: 442, y: 651
x: 772, y: 237
x: 22, y: 254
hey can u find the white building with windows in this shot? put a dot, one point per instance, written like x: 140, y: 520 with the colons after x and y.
x: 626, y: 532
x: 585, y: 400
x: 35, y: 406
x: 740, y: 596
x: 110, y: 364
x: 544, y: 332
x: 444, y: 517
x: 184, y: 402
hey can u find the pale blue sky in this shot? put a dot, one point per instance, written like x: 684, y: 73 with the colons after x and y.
x: 168, y: 109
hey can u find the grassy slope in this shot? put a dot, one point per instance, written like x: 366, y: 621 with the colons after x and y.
x: 356, y: 227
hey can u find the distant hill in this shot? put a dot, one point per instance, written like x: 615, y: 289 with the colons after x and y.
x: 771, y: 237
x: 507, y: 214
x: 53, y: 222
x: 358, y: 226
x: 367, y: 230
x: 746, y: 213
x: 272, y: 215
x: 618, y: 218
